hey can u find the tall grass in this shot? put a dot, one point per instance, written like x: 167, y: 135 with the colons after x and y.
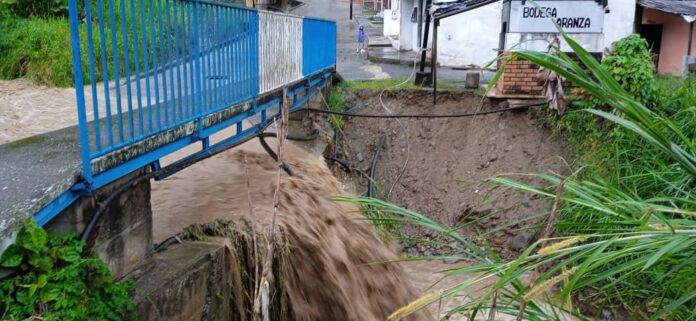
x: 39, y: 48
x: 626, y: 229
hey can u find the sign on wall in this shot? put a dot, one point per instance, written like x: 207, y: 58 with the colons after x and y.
x: 573, y: 16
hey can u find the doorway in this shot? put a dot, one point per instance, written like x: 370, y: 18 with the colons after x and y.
x: 652, y: 33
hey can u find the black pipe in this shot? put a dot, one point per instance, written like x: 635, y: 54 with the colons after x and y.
x: 427, y: 116
x: 373, y: 167
x: 103, y: 205
x: 341, y: 162
x: 691, y: 35
x: 271, y: 153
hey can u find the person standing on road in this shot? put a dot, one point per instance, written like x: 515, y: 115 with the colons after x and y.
x: 361, y: 39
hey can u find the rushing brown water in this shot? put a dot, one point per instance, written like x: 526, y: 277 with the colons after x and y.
x: 336, y: 260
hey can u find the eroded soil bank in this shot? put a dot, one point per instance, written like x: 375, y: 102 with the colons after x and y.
x: 437, y: 167
x: 335, y: 258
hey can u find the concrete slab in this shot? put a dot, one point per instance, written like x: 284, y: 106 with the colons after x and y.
x: 392, y: 56
x: 33, y: 172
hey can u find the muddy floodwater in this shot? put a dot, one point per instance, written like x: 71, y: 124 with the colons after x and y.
x: 337, y: 260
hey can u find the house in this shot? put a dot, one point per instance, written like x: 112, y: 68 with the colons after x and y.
x: 473, y: 32
x: 668, y: 26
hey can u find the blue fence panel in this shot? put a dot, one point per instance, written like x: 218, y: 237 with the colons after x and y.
x: 151, y: 65
x: 318, y: 45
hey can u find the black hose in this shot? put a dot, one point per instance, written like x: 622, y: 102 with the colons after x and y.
x: 166, y: 243
x: 341, y: 162
x: 324, y: 111
x: 103, y: 205
x: 373, y: 167
x: 272, y: 153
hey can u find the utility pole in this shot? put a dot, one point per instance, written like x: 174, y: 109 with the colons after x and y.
x: 351, y: 10
x: 433, y: 62
x: 422, y: 77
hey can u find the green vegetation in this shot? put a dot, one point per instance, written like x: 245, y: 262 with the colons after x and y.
x: 36, y: 8
x: 624, y: 224
x: 37, y: 46
x: 632, y: 67
x: 379, y: 84
x: 337, y: 102
x: 393, y: 83
x: 55, y: 282
x: 37, y: 49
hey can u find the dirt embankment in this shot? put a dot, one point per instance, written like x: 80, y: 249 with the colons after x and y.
x: 448, y: 158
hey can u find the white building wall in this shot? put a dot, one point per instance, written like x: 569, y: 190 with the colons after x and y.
x: 470, y: 38
x: 618, y: 23
x: 406, y: 27
x: 391, y: 22
x: 540, y: 41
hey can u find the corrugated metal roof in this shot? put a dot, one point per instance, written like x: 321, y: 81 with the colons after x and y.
x: 445, y: 10
x: 678, y: 7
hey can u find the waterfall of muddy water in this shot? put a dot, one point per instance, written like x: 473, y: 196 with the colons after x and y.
x: 335, y: 258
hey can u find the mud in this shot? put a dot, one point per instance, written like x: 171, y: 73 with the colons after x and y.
x: 449, y: 158
x: 336, y: 262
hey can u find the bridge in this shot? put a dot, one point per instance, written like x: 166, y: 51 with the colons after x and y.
x: 155, y: 76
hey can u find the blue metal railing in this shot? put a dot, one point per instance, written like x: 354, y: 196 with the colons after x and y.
x: 154, y: 65
x: 318, y: 45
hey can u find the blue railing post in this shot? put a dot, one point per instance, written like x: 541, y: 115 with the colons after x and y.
x: 197, y: 58
x: 79, y: 91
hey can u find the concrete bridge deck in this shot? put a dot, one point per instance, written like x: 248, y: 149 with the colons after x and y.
x: 35, y: 171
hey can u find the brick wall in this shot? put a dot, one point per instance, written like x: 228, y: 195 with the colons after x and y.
x: 520, y: 79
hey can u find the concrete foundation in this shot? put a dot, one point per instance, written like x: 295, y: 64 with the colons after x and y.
x: 123, y: 235
x: 190, y: 281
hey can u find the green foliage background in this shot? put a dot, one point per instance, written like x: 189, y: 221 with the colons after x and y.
x: 632, y: 67
x: 37, y: 46
x: 36, y: 8
x: 55, y: 282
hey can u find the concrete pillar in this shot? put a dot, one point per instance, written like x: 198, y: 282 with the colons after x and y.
x: 123, y: 235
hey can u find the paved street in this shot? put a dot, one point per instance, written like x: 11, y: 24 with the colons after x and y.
x: 350, y: 65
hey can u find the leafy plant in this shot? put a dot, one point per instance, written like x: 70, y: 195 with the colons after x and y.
x: 55, y: 282
x: 633, y: 69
